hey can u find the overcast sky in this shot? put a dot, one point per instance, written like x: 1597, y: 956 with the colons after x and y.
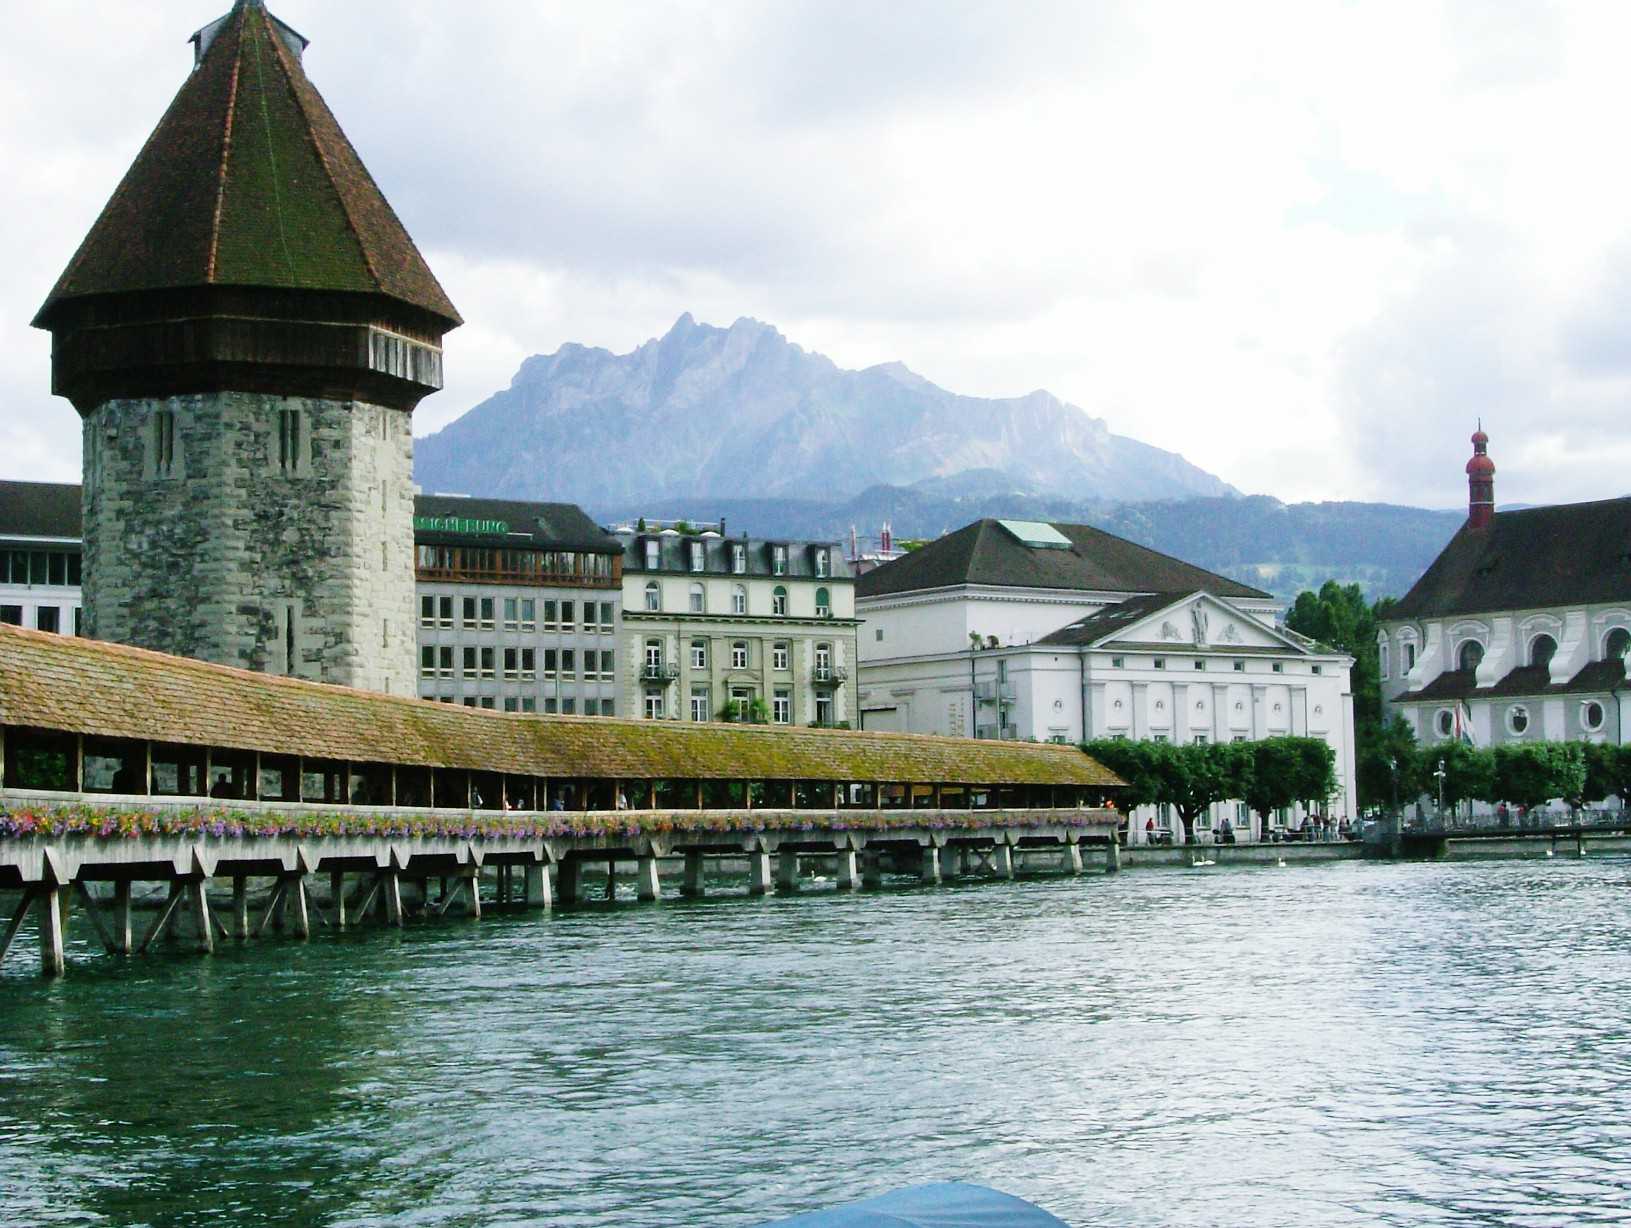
x: 1305, y: 244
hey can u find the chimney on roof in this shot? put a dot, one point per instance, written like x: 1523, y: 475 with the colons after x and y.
x: 1480, y: 482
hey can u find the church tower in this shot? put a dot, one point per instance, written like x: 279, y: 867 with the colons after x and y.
x: 245, y: 333
x: 1480, y: 482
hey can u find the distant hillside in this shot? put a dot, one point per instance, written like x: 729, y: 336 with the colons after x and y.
x: 744, y: 412
x: 1284, y: 548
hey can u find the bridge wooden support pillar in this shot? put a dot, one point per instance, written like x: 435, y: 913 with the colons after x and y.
x: 293, y: 910
x: 1002, y: 860
x: 198, y: 908
x: 470, y: 876
x: 336, y: 895
x: 1579, y: 843
x: 1073, y: 857
x: 758, y: 872
x: 953, y: 861
x: 692, y: 886
x: 929, y: 871
x: 646, y: 885
x: 787, y: 870
x: 240, y: 907
x: 845, y: 870
x: 53, y: 959
x: 871, y: 868
x: 1112, y: 856
x: 537, y: 887
x: 390, y: 886
x: 566, y: 880
x: 122, y: 939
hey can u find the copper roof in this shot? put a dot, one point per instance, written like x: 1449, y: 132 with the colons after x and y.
x: 111, y: 690
x: 249, y: 181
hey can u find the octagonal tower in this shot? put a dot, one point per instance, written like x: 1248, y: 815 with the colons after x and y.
x: 245, y: 333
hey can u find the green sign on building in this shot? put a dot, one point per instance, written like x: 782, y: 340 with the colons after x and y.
x: 460, y: 524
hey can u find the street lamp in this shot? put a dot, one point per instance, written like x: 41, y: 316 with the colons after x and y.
x: 1393, y: 777
x: 1439, y: 776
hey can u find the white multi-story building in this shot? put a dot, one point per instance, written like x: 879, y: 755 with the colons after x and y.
x: 721, y: 627
x: 40, y: 556
x: 518, y: 606
x: 1061, y: 632
x: 1519, y: 630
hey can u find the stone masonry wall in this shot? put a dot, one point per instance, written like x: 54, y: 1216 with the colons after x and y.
x: 214, y: 558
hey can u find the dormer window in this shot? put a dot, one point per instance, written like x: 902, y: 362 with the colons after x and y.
x: 653, y: 553
x: 697, y: 556
x: 821, y: 562
x: 739, y: 559
x: 778, y: 560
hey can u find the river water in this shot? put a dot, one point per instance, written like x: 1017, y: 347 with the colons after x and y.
x: 1350, y: 1044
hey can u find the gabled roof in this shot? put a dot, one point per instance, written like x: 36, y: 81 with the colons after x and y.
x: 1568, y: 554
x: 1109, y: 624
x: 1596, y: 678
x: 248, y: 181
x: 88, y: 687
x: 560, y: 526
x: 986, y: 553
x: 40, y: 509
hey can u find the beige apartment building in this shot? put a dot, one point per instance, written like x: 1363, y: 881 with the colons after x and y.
x: 719, y: 628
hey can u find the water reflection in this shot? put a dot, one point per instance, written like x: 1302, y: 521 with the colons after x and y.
x: 1350, y: 1044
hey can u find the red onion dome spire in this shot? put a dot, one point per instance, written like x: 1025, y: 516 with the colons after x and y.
x: 1480, y: 482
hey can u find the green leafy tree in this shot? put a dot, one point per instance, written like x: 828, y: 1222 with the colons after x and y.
x: 1191, y: 778
x: 1608, y: 773
x: 1469, y: 773
x: 1533, y: 773
x: 1134, y: 762
x: 1273, y: 785
x: 1390, y: 765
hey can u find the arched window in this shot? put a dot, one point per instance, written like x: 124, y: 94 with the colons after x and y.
x: 1381, y: 659
x: 778, y: 601
x: 1617, y: 644
x: 823, y: 603
x: 1472, y: 653
x: 739, y: 600
x: 1445, y: 722
x: 654, y: 596
x: 698, y: 599
x: 654, y: 654
x: 1542, y: 649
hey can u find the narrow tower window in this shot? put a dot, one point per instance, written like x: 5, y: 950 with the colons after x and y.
x: 164, y: 443
x: 288, y: 440
x: 288, y: 642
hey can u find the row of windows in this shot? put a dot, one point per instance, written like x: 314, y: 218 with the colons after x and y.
x: 46, y: 618
x: 566, y: 705
x: 1518, y: 719
x: 517, y: 664
x: 740, y: 655
x: 697, y: 600
x: 739, y: 705
x: 696, y: 555
x: 1469, y: 655
x: 58, y: 568
x: 520, y: 614
x: 1239, y: 666
x: 505, y: 564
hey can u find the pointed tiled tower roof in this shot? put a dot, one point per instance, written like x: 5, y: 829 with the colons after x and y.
x: 249, y: 182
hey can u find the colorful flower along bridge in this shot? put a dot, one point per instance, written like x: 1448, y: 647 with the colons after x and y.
x: 120, y: 767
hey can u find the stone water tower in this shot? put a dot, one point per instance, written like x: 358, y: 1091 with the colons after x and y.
x: 245, y: 333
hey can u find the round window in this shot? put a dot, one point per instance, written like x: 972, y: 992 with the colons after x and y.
x: 1591, y: 715
x: 1446, y: 723
x: 1517, y: 718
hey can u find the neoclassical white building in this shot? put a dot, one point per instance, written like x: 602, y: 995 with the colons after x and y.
x: 1519, y: 629
x: 1061, y: 632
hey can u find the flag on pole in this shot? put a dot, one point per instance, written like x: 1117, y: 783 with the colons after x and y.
x: 1464, y: 732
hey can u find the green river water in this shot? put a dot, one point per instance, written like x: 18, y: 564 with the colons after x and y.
x: 1347, y: 1044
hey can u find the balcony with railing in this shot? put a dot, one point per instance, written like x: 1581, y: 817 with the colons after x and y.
x: 829, y: 675
x: 659, y: 671
x: 991, y: 692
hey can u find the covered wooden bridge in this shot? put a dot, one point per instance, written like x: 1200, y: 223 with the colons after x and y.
x: 119, y: 765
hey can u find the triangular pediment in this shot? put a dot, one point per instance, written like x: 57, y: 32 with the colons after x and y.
x: 1201, y: 621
